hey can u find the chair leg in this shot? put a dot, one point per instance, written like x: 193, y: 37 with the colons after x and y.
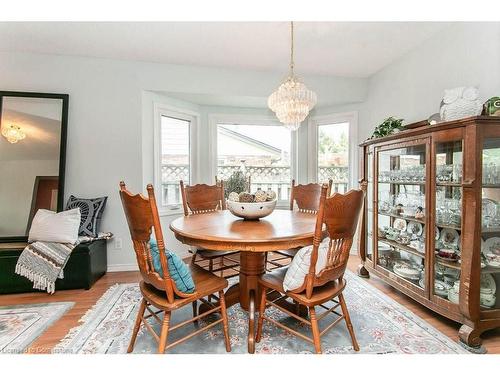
x: 195, y: 312
x: 137, y: 325
x: 315, y: 330
x: 210, y: 268
x: 348, y: 323
x: 164, y: 332
x: 193, y: 259
x: 223, y: 311
x: 262, y: 308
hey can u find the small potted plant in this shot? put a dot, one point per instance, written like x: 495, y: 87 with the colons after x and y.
x: 387, y: 127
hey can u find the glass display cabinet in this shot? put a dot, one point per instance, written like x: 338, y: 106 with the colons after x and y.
x: 431, y: 223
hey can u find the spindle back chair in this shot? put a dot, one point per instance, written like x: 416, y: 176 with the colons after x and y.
x: 159, y: 291
x: 304, y: 198
x: 339, y: 216
x: 201, y: 199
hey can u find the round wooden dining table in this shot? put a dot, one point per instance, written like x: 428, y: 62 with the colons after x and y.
x: 221, y: 230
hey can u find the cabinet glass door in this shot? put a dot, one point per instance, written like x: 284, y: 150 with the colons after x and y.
x: 369, y: 194
x: 448, y: 220
x: 490, y: 228
x: 401, y: 212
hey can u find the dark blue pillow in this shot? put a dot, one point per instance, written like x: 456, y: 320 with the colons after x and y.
x: 178, y: 270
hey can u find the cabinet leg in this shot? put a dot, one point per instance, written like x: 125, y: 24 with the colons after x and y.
x: 363, y: 272
x: 470, y: 339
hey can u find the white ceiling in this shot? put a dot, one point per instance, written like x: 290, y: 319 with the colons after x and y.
x: 346, y: 49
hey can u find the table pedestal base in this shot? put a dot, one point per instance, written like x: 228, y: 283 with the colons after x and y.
x: 247, y: 292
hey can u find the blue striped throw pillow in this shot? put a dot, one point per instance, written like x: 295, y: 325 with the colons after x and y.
x: 178, y: 270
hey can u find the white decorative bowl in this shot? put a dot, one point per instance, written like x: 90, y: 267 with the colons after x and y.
x: 251, y: 211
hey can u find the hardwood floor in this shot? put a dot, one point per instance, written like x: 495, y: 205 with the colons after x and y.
x: 85, y: 299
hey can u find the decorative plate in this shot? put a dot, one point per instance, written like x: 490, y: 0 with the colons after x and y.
x: 399, y: 224
x: 407, y: 271
x: 488, y: 285
x: 415, y: 228
x: 449, y: 237
x: 440, y: 287
x: 491, y: 251
x: 491, y: 246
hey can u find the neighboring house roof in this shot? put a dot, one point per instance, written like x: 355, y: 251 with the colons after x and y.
x: 251, y: 141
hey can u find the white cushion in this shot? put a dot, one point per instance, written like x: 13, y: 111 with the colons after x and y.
x: 299, y: 267
x: 49, y: 226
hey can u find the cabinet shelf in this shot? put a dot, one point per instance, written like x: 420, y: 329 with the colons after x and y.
x: 491, y: 186
x: 451, y: 184
x: 422, y: 183
x: 402, y: 247
x: 421, y: 221
x: 449, y: 226
x: 489, y: 269
x: 490, y: 230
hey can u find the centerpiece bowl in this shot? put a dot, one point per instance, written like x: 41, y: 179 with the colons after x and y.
x: 251, y: 210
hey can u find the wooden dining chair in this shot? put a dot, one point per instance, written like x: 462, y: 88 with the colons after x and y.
x: 339, y: 214
x: 160, y: 294
x: 201, y: 199
x: 304, y: 198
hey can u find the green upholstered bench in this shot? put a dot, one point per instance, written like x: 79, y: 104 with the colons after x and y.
x: 87, y: 263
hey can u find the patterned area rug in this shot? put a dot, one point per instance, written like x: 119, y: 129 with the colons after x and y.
x: 20, y: 325
x: 381, y: 326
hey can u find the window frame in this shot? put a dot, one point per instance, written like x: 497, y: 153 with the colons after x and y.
x: 161, y: 110
x: 334, y: 118
x: 214, y: 119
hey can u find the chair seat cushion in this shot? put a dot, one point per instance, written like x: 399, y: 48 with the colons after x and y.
x: 274, y: 280
x: 299, y: 267
x: 178, y: 270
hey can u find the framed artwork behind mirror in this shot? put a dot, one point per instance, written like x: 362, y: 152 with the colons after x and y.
x: 33, y: 129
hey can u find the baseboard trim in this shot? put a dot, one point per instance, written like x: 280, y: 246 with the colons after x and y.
x: 123, y: 267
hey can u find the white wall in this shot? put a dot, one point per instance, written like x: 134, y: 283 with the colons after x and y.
x: 466, y: 54
x: 105, y: 132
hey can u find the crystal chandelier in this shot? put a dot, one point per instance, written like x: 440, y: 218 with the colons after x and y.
x: 292, y: 101
x: 13, y: 133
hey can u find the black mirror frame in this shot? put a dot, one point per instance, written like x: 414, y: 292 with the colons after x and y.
x: 62, y: 150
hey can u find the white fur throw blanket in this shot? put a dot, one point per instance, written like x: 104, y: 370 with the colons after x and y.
x: 43, y: 262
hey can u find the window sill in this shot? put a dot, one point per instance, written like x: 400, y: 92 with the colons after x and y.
x: 170, y: 212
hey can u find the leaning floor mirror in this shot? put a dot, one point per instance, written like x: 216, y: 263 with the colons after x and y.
x: 32, y: 158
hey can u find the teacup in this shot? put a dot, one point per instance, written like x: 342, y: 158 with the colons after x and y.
x: 447, y: 253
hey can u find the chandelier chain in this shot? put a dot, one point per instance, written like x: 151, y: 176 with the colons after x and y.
x: 292, y: 62
x: 292, y: 101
